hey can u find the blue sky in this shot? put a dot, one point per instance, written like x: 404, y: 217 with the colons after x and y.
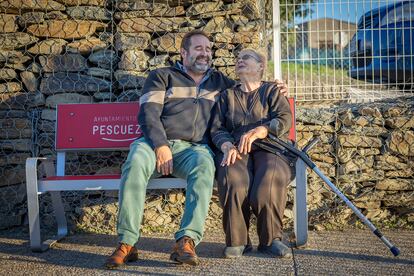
x: 347, y: 10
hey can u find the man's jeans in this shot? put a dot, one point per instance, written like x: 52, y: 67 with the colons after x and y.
x: 193, y: 162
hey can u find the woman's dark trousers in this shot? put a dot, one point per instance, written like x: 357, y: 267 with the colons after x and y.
x: 259, y: 183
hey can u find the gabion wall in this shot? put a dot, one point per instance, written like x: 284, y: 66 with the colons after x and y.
x: 68, y: 51
x: 82, y: 51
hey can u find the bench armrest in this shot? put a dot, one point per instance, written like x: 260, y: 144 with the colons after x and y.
x: 32, y: 166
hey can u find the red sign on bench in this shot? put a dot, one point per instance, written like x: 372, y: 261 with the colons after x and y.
x: 97, y: 126
x: 105, y: 125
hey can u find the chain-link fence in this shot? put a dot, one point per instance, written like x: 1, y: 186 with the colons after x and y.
x: 348, y: 50
x: 82, y: 51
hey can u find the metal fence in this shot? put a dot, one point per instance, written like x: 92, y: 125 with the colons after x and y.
x: 349, y: 50
x: 342, y: 52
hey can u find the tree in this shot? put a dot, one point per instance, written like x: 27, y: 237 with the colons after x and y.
x: 289, y: 9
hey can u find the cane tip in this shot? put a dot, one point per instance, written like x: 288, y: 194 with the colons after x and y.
x: 395, y: 251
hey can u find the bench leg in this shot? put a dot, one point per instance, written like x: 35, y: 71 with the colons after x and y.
x: 300, y: 209
x: 33, y: 205
x: 32, y: 188
x: 58, y: 209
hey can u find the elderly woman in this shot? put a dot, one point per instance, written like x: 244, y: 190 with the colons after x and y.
x: 248, y: 177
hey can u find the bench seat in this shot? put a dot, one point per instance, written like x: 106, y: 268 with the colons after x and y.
x: 100, y: 182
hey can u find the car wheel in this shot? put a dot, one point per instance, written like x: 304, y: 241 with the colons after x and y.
x: 408, y: 85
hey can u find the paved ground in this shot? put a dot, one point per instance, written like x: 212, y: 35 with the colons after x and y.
x: 327, y: 253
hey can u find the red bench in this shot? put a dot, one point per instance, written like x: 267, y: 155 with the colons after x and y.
x: 103, y: 127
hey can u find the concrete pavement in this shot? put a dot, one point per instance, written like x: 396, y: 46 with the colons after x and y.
x: 351, y: 252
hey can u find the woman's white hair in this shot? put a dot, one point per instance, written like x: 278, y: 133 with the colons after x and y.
x: 259, y: 55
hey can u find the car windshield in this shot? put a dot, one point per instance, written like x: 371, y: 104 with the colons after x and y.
x: 405, y: 12
x: 369, y: 20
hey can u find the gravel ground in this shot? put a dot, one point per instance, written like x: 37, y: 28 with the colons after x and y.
x: 351, y: 252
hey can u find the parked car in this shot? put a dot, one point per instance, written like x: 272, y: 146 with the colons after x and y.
x: 382, y: 49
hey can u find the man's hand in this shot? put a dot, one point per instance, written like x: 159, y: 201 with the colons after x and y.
x: 246, y: 141
x: 230, y: 154
x: 283, y: 87
x: 164, y: 160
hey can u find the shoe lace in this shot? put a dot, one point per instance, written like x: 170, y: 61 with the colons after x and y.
x: 121, y: 247
x: 188, y: 244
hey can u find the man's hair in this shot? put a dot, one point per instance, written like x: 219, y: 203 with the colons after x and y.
x: 186, y: 42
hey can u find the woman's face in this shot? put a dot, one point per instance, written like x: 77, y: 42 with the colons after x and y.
x: 248, y: 65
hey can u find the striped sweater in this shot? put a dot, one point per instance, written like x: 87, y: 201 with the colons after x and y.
x: 174, y: 107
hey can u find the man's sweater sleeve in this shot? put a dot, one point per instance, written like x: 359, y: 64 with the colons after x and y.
x: 151, y: 106
x: 229, y: 83
x: 218, y: 131
x: 280, y: 114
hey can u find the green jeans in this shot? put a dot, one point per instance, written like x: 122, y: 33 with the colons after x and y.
x: 193, y: 162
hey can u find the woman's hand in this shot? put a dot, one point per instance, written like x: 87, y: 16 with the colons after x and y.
x: 230, y: 154
x: 246, y: 141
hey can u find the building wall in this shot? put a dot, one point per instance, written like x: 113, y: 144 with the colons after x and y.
x: 328, y: 33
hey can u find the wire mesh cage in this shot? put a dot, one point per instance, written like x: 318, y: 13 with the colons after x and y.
x: 83, y: 51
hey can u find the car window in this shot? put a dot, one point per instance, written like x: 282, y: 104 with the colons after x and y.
x: 404, y: 12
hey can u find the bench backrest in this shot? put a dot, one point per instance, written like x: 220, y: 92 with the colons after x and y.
x: 102, y: 126
x: 292, y: 131
x: 105, y: 126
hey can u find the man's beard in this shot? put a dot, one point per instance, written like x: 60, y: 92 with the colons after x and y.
x: 200, y: 68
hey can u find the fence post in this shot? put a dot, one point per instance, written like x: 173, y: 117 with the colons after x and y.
x: 277, y: 57
x: 300, y: 182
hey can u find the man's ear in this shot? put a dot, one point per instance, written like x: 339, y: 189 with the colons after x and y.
x: 183, y: 53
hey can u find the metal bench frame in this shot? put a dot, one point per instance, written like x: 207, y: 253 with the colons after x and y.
x: 56, y: 182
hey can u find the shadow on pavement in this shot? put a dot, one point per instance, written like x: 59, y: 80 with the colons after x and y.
x: 95, y: 262
x: 359, y: 257
x: 148, y: 244
x: 67, y: 252
x: 56, y: 256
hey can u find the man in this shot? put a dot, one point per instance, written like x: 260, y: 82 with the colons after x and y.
x: 174, y: 116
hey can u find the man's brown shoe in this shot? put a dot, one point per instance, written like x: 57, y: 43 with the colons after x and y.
x: 184, y: 252
x: 122, y: 254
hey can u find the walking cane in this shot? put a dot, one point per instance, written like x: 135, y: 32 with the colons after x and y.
x: 304, y: 156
